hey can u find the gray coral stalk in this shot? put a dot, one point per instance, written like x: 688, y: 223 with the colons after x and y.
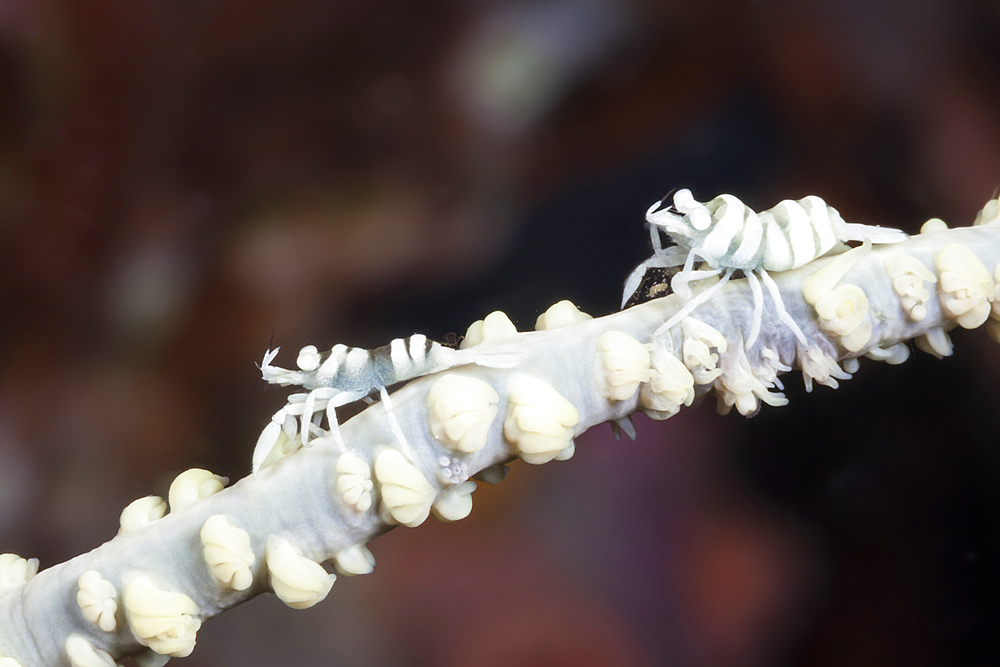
x: 147, y: 591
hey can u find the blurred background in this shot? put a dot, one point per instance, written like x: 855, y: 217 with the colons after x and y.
x: 185, y: 184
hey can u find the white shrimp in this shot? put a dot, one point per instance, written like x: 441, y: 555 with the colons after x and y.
x: 344, y: 375
x: 728, y: 236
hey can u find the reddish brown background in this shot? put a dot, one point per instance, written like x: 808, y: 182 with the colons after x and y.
x: 184, y: 183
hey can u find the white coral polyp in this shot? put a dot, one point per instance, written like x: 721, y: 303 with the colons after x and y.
x: 702, y: 362
x: 461, y: 410
x: 696, y: 350
x: 353, y: 561
x: 165, y: 621
x: 455, y: 503
x: 15, y: 570
x: 936, y: 342
x: 625, y: 364
x: 227, y: 552
x: 894, y: 354
x: 739, y: 386
x: 138, y: 514
x: 540, y: 421
x: 191, y: 486
x: 965, y: 286
x: 98, y: 600
x: 844, y: 311
x: 964, y: 300
x: 819, y: 366
x: 670, y: 386
x: 353, y: 482
x: 494, y: 328
x: 909, y: 277
x: 933, y: 225
x: 989, y: 213
x: 770, y: 367
x: 406, y: 493
x: 561, y: 314
x: 298, y: 581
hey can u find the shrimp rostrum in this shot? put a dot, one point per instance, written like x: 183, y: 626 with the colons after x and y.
x: 348, y: 374
x: 728, y: 236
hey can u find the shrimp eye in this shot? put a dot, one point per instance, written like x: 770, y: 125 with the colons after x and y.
x: 308, y: 359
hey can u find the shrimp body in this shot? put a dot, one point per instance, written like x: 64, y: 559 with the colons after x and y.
x: 347, y: 374
x: 352, y: 369
x: 728, y: 236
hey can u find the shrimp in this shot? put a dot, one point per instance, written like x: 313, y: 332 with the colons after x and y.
x: 728, y: 236
x: 348, y: 374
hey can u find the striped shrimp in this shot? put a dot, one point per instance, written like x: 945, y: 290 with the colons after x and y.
x: 347, y: 374
x: 728, y: 236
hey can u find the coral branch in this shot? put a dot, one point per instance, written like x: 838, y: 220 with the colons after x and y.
x: 148, y: 590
